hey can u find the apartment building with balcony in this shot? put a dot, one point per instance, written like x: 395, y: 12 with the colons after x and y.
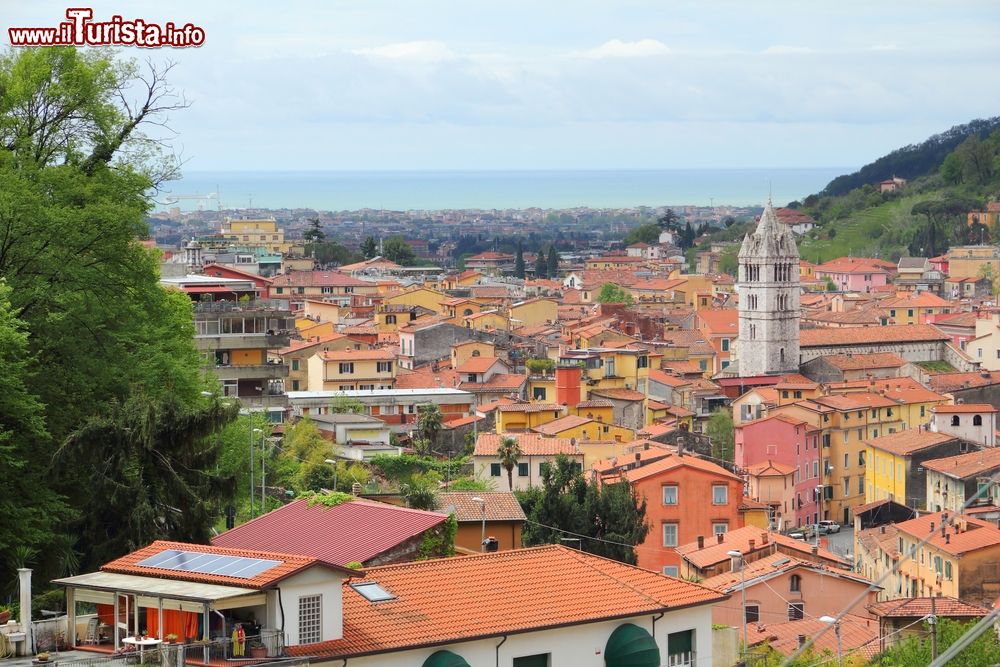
x: 235, y: 339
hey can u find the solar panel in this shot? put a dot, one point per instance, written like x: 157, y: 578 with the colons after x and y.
x: 209, y: 563
x: 373, y: 592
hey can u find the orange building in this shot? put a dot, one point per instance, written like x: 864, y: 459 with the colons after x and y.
x: 483, y: 515
x: 685, y: 497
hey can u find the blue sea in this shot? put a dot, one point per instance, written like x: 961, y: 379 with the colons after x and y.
x: 437, y: 190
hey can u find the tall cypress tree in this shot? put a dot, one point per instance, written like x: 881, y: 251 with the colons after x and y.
x: 541, y: 267
x: 519, y: 261
x: 553, y: 263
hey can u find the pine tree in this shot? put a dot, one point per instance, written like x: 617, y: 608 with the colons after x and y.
x: 553, y: 263
x: 519, y: 261
x: 369, y: 248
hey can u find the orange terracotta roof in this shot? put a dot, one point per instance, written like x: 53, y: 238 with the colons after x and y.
x: 531, y: 444
x: 920, y: 607
x: 770, y: 468
x: 900, y: 333
x: 847, y: 362
x: 666, y: 378
x: 500, y: 505
x: 528, y: 407
x: 796, y: 381
x: 297, y: 345
x: 963, y: 408
x: 963, y: 466
x: 557, y: 426
x: 494, y: 405
x: 978, y: 534
x: 722, y: 321
x: 769, y: 565
x: 858, y: 636
x: 510, y: 592
x: 378, y: 354
x: 948, y: 382
x: 674, y: 462
x: 498, y: 382
x: 715, y: 552
x: 619, y: 394
x: 904, y: 443
x: 425, y: 378
x: 478, y: 364
x: 289, y: 565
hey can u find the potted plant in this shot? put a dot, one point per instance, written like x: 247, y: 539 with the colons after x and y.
x: 42, y: 657
x: 171, y: 638
x: 5, y: 613
x: 257, y: 649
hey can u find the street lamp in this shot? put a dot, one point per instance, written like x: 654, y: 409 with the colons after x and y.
x: 734, y: 554
x: 334, y: 464
x: 253, y: 432
x: 482, y: 504
x: 819, y: 515
x: 836, y: 631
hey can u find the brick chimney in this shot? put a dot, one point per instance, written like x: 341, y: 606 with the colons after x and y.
x: 719, y: 538
x: 763, y: 539
x: 701, y: 541
x: 753, y: 543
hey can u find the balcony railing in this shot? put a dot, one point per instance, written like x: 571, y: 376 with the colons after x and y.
x: 265, y: 648
x: 256, y: 305
x: 251, y: 371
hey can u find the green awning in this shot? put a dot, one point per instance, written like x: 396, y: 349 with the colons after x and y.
x: 631, y: 646
x: 445, y: 659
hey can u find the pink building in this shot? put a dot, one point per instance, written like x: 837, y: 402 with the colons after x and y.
x: 786, y: 440
x: 780, y: 587
x: 854, y: 274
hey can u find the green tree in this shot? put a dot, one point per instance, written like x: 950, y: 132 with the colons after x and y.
x: 649, y: 233
x: 541, y: 266
x: 916, y: 649
x: 342, y: 404
x: 396, y: 249
x: 509, y: 452
x: 612, y: 293
x: 430, y: 423
x: 519, y: 261
x: 669, y: 220
x: 609, y: 520
x: 552, y: 265
x: 420, y: 491
x: 315, y: 233
x: 540, y: 366
x: 720, y: 431
x: 951, y: 169
x: 329, y: 252
x: 369, y: 248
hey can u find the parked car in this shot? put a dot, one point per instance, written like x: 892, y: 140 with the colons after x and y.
x: 827, y: 527
x: 797, y: 536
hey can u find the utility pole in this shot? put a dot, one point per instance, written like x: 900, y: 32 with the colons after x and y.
x: 932, y: 621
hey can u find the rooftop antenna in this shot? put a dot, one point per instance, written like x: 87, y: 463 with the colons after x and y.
x: 218, y: 197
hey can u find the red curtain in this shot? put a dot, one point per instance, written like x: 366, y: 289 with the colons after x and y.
x: 106, y: 614
x: 180, y: 623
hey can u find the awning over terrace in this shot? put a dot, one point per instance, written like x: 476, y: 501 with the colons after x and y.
x: 100, y: 587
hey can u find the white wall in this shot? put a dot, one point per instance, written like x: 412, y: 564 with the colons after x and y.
x: 314, y: 581
x: 576, y: 646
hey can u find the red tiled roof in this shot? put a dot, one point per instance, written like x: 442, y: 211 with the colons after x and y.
x: 863, y: 361
x: 713, y: 552
x: 290, y: 564
x: 296, y: 345
x: 495, y: 594
x: 528, y: 407
x: 900, y: 333
x: 498, y: 382
x: 341, y: 534
x: 769, y: 468
x: 557, y: 426
x: 673, y: 462
x: 952, y: 381
x: 531, y: 444
x: 666, y: 378
x: 478, y: 364
x: 966, y: 465
x: 921, y: 607
x: 318, y: 279
x: 620, y: 394
x: 858, y: 635
x: 500, y: 505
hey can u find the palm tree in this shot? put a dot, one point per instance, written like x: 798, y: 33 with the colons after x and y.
x: 509, y: 452
x: 430, y: 422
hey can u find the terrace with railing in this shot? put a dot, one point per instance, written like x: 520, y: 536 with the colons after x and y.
x: 265, y: 648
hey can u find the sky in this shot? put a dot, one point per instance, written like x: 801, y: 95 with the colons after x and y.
x: 564, y: 84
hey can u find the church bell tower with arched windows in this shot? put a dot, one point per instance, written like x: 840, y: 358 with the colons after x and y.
x: 769, y: 299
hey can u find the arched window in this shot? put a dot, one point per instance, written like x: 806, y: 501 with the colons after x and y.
x: 475, y: 353
x: 977, y: 420
x: 795, y: 583
x: 467, y: 312
x: 955, y: 421
x: 782, y: 355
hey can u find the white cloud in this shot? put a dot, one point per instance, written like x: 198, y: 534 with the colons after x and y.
x: 616, y: 48
x: 428, y: 51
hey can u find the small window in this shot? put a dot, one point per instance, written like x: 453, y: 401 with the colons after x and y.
x: 295, y: 364
x: 955, y: 421
x: 720, y: 528
x: 311, y: 619
x: 670, y: 495
x: 372, y: 591
x: 670, y: 534
x: 796, y: 611
x: 720, y: 494
x: 522, y: 470
x: 725, y: 345
x: 384, y: 366
x: 753, y: 613
x: 346, y: 368
x: 494, y: 470
x: 795, y: 583
x: 977, y: 420
x: 947, y: 570
x: 670, y: 570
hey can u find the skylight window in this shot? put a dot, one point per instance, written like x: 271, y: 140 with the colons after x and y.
x: 373, y: 592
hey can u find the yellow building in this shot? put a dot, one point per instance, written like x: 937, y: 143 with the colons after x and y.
x: 541, y: 388
x: 459, y: 308
x: 351, y: 370
x: 958, y: 561
x: 598, y: 409
x: 967, y: 261
x: 462, y: 352
x: 912, y: 308
x: 418, y: 296
x: 321, y: 311
x: 533, y: 312
x: 891, y: 461
x: 581, y: 428
x: 309, y: 329
x: 256, y: 233
x: 487, y: 320
x: 519, y: 417
x: 913, y: 401
x: 843, y: 423
x: 613, y: 369
x: 296, y: 356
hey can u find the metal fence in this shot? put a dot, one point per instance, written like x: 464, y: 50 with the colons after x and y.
x: 265, y: 648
